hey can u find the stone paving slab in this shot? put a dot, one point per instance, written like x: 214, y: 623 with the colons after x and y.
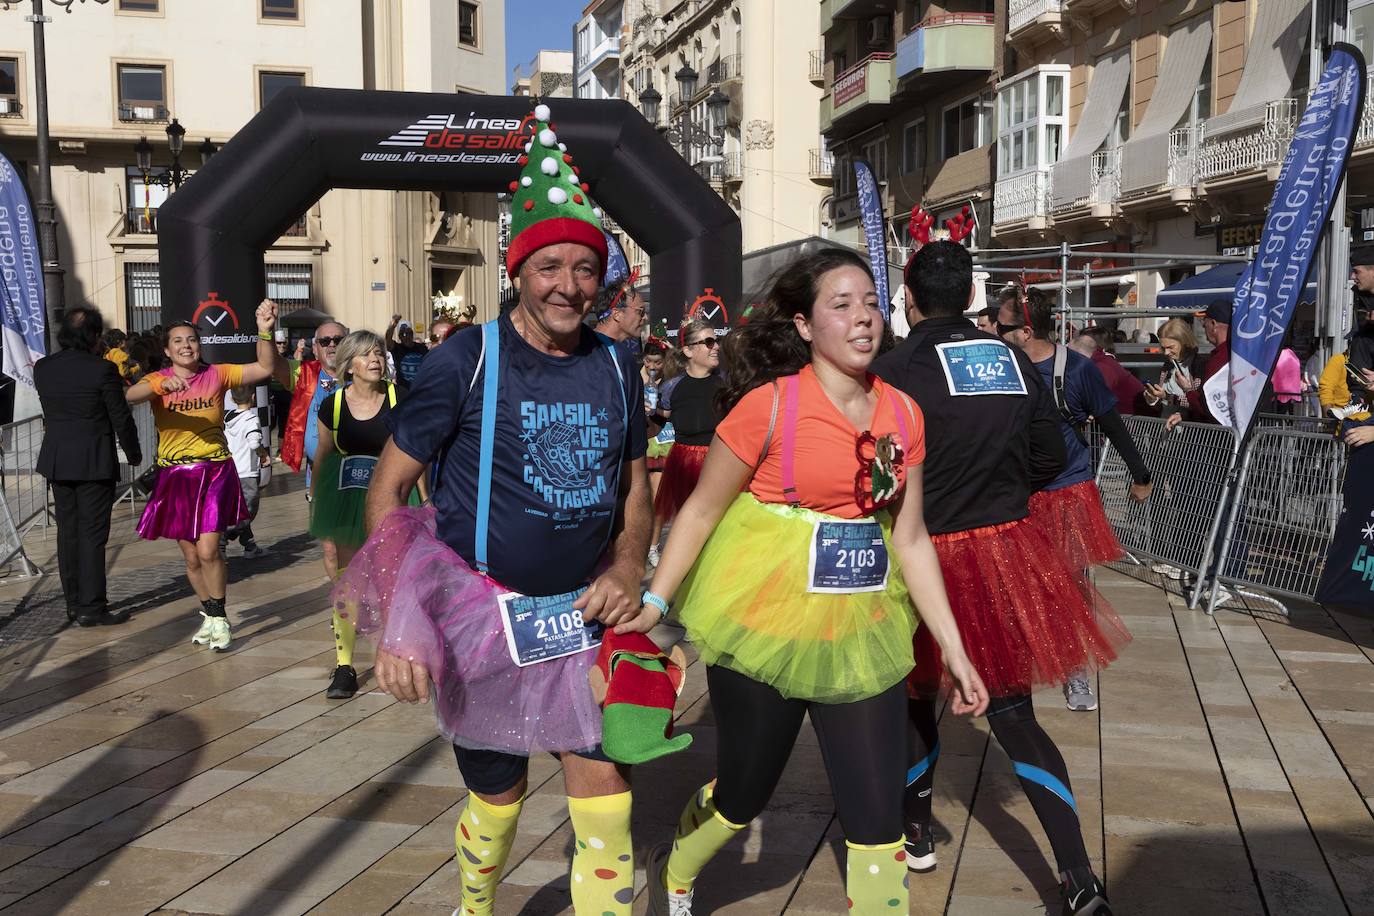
x: 1226, y: 772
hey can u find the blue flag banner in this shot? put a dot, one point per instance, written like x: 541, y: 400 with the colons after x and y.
x: 21, y: 280
x: 871, y: 213
x: 1268, y: 291
x: 617, y: 266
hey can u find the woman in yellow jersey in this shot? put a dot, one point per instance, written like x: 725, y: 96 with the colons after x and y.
x: 197, y: 495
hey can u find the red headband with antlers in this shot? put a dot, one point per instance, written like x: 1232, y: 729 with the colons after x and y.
x: 960, y: 227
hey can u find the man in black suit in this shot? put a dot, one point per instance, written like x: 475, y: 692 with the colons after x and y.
x: 83, y: 409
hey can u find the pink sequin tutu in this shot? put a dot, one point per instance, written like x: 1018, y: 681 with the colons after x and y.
x: 418, y: 599
x: 193, y: 499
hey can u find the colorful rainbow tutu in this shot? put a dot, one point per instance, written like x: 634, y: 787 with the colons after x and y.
x: 193, y: 499
x: 418, y: 599
x: 746, y: 607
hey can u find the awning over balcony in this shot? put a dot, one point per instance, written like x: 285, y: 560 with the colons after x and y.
x: 1145, y: 158
x: 1271, y: 62
x: 1194, y: 293
x: 1105, y: 91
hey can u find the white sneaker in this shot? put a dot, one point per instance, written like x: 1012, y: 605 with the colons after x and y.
x: 1168, y: 571
x: 219, y: 633
x: 206, y: 628
x: 654, y: 555
x: 1223, y: 595
x: 662, y: 903
x: 1078, y: 694
x: 1340, y: 413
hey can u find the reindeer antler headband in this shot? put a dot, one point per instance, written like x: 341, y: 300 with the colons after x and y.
x: 957, y: 228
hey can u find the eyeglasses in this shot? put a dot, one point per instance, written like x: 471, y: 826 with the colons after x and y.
x: 329, y: 341
x: 710, y: 342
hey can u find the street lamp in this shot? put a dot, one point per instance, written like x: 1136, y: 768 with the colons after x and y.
x: 649, y: 101
x: 44, y: 208
x: 206, y: 150
x: 176, y: 139
x: 687, y: 135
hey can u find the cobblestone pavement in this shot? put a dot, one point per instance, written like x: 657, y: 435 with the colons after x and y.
x: 1228, y: 771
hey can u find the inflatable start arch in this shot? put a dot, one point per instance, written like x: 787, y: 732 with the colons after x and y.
x: 212, y: 233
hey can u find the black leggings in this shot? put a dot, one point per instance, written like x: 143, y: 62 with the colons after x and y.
x: 1039, y: 767
x: 861, y: 743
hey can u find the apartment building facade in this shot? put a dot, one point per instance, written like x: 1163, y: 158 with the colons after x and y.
x: 121, y: 72
x: 596, y: 50
x: 1156, y: 127
x: 911, y: 91
x: 549, y: 74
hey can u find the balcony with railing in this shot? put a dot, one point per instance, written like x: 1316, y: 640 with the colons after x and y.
x: 141, y: 113
x: 729, y: 67
x: 1023, y: 198
x: 1364, y: 138
x: 10, y: 107
x: 953, y: 44
x: 1034, y: 21
x: 1257, y: 146
x: 816, y: 71
x: 822, y: 166
x: 1104, y: 181
x: 860, y: 94
x: 606, y: 53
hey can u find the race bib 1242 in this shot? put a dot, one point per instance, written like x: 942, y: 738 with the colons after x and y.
x: 974, y: 367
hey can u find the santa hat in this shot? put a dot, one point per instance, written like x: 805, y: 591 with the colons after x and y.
x: 637, y: 685
x: 550, y: 203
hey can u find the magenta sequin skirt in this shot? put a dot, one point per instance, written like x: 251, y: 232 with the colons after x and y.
x: 193, y: 499
x: 418, y: 599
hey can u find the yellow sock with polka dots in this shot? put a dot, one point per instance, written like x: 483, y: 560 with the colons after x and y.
x: 484, y: 836
x: 701, y: 832
x: 603, y: 868
x: 344, y: 635
x: 876, y: 880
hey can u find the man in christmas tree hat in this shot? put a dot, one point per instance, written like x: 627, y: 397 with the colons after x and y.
x: 540, y: 528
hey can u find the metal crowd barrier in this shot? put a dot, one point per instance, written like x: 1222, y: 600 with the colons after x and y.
x: 25, y: 502
x: 1288, y: 499
x: 147, y: 441
x: 1190, y: 465
x: 1258, y: 518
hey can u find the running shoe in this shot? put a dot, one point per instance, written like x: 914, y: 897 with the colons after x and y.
x: 206, y: 629
x: 662, y: 903
x: 920, y: 851
x: 1168, y: 571
x: 344, y: 683
x: 654, y: 556
x: 219, y: 633
x: 253, y: 551
x: 1078, y: 694
x: 1084, y: 895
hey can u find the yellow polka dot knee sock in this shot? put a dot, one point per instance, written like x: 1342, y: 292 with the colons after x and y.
x: 484, y: 836
x: 877, y: 882
x: 344, y: 638
x: 701, y: 832
x: 603, y: 870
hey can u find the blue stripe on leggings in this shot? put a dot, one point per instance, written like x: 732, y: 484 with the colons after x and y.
x: 1047, y: 780
x: 924, y: 765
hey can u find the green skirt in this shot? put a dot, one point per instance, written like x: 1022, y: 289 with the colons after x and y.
x: 340, y: 514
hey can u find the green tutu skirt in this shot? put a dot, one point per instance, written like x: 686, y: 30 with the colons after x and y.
x: 340, y: 515
x: 746, y: 607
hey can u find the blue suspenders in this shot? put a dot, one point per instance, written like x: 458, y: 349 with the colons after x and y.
x: 491, y: 373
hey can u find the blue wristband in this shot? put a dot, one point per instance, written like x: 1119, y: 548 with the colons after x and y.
x: 655, y: 601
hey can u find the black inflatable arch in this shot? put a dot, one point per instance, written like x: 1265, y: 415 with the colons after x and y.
x: 212, y: 233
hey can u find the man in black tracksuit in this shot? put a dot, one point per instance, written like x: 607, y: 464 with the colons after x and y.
x: 992, y: 438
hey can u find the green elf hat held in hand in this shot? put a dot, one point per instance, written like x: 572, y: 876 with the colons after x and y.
x: 637, y: 685
x: 550, y: 202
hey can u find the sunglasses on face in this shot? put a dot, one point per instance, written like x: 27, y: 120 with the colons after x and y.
x: 329, y: 341
x: 1005, y: 329
x: 710, y: 342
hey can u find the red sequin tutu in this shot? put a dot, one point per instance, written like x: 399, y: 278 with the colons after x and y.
x: 680, y: 476
x: 1025, y: 618
x: 1074, y: 520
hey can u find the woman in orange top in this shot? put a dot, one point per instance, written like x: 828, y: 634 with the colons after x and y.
x: 197, y: 495
x: 795, y: 591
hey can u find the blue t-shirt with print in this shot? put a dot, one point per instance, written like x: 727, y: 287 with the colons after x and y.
x: 561, y: 437
x: 1086, y: 395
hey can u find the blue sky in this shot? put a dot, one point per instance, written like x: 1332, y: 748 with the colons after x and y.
x: 534, y: 25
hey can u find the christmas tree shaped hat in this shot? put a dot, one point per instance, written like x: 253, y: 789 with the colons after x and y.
x: 550, y: 202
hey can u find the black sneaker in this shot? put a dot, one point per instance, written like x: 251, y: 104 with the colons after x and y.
x: 1084, y: 895
x: 344, y: 683
x: 920, y: 849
